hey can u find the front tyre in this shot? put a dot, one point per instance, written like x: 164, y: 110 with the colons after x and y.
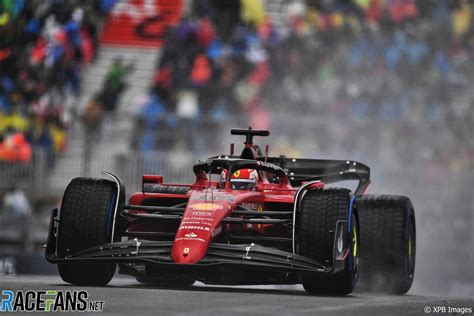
x: 86, y: 219
x: 328, y: 227
x: 389, y: 238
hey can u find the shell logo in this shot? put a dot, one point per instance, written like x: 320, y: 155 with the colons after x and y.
x: 206, y: 206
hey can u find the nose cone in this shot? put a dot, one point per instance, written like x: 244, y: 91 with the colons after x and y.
x: 200, y: 223
x: 191, y: 248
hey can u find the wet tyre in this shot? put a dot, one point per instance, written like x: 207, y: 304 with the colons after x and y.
x: 86, y: 219
x: 388, y: 233
x: 317, y: 226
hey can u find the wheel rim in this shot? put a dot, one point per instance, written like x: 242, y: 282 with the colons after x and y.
x: 354, y: 241
x: 355, y: 247
x: 411, y: 249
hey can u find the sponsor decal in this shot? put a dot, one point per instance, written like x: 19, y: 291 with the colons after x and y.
x: 49, y: 301
x: 194, y: 227
x: 200, y: 219
x: 201, y: 213
x: 191, y: 235
x: 186, y: 222
x: 190, y: 238
x: 206, y: 206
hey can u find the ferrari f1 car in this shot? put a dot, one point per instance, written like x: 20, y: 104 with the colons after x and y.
x: 246, y: 219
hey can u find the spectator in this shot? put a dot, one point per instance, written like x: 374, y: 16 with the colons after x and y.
x: 114, y: 84
x: 44, y: 46
x: 15, y: 205
x: 93, y: 113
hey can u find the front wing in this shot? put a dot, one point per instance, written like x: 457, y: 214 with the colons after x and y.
x: 158, y: 253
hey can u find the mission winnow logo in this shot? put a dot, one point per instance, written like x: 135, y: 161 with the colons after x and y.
x: 48, y: 301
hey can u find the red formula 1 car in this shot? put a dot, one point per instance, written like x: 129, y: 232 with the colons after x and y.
x: 247, y: 219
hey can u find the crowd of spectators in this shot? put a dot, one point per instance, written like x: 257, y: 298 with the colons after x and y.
x: 44, y: 45
x: 403, y: 66
x: 202, y: 77
x: 397, y: 73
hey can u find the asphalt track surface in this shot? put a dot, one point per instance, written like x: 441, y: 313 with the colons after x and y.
x: 125, y: 296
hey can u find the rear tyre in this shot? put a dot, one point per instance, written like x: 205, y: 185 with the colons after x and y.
x: 86, y: 219
x: 321, y: 210
x: 389, y: 239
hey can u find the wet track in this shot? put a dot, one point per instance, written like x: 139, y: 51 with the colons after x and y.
x: 124, y: 296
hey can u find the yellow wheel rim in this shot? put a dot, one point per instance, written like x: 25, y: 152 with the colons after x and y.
x: 409, y: 245
x: 354, y: 241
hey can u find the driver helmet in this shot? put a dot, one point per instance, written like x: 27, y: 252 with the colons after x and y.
x: 243, y: 179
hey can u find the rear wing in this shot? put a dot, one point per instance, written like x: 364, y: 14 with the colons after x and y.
x: 328, y: 171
